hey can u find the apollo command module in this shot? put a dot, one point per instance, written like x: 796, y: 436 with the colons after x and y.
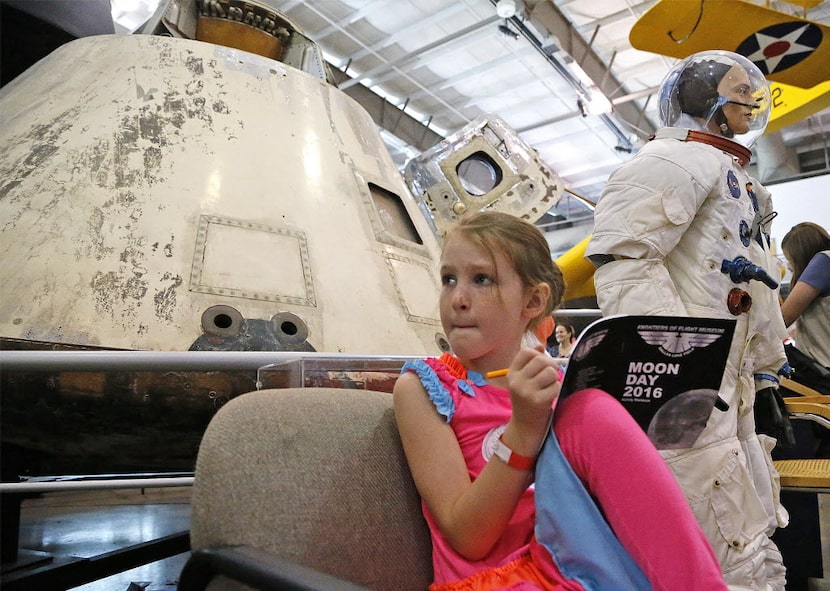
x: 166, y: 193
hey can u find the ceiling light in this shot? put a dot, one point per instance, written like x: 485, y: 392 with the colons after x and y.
x: 594, y: 103
x: 506, y: 8
x: 599, y: 103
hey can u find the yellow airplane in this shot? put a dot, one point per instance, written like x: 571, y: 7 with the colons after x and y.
x: 790, y: 51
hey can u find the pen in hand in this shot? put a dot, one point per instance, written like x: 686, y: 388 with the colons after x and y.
x: 497, y: 373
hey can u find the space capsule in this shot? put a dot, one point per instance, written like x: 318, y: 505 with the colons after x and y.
x: 164, y: 193
x: 170, y: 194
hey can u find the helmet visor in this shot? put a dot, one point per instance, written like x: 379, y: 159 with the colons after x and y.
x: 717, y: 92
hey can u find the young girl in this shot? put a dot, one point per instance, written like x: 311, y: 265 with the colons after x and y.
x: 472, y: 442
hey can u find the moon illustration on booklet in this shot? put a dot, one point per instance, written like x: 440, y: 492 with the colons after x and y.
x: 680, y: 421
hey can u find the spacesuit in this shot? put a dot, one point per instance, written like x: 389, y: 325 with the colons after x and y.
x: 682, y: 229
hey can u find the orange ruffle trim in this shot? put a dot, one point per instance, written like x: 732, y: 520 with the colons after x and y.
x: 521, y: 570
x: 455, y: 367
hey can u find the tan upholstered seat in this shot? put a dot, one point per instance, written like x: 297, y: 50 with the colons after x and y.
x: 317, y: 477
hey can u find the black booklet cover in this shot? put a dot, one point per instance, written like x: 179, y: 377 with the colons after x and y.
x: 665, y: 370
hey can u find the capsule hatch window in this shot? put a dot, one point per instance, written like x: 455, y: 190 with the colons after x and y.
x: 478, y: 173
x: 393, y: 216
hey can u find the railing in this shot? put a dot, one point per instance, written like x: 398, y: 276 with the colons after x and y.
x: 44, y: 484
x: 164, y: 360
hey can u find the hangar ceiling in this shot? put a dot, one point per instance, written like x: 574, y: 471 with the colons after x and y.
x: 561, y: 72
x: 444, y: 62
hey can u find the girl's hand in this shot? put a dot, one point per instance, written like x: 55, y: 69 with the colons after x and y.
x: 533, y: 381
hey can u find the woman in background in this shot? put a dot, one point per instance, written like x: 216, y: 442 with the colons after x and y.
x: 807, y: 250
x: 565, y: 338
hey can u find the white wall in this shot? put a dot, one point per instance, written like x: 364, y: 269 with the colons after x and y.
x: 806, y: 200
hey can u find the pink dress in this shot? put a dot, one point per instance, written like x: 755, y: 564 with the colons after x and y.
x: 614, y: 460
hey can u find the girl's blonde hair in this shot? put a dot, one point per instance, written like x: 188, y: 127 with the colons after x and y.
x: 523, y: 245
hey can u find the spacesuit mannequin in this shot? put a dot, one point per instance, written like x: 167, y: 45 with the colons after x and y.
x: 682, y: 229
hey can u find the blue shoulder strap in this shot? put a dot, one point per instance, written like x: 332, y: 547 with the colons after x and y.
x: 571, y: 528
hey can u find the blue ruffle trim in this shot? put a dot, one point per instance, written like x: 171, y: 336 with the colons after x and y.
x: 465, y: 387
x: 477, y: 379
x: 438, y: 393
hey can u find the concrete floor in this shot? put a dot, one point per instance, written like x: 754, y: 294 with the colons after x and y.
x: 823, y: 584
x: 89, y: 523
x: 156, y: 576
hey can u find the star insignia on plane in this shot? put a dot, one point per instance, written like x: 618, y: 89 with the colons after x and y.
x: 677, y: 343
x: 781, y: 46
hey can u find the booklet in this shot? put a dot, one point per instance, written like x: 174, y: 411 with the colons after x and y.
x: 665, y: 370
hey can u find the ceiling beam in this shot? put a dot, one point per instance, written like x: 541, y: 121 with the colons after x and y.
x: 419, y: 53
x: 547, y: 16
x: 389, y: 116
x: 442, y: 16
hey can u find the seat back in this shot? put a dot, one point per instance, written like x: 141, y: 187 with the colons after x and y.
x: 316, y: 476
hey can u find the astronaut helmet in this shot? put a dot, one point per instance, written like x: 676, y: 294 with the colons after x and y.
x: 718, y: 92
